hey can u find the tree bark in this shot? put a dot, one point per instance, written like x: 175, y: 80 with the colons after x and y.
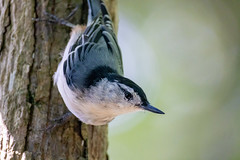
x: 29, y: 55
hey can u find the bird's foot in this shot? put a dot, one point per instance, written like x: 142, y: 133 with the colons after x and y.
x: 54, y: 19
x: 60, y: 121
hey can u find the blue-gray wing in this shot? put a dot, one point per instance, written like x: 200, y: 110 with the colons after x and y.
x: 97, y: 46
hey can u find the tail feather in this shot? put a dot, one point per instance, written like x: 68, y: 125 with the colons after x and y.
x: 97, y: 8
x: 94, y: 10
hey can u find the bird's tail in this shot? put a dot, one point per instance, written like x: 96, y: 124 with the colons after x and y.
x: 94, y: 9
x: 97, y: 8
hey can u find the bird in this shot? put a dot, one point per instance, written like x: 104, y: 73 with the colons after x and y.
x: 90, y: 75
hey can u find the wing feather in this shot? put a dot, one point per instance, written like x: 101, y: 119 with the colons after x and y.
x: 97, y: 46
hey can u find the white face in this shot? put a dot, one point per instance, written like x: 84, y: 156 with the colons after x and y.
x: 115, y: 96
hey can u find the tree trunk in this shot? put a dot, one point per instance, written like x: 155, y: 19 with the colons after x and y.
x: 29, y: 55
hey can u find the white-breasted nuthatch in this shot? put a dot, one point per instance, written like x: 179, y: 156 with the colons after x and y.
x: 90, y: 74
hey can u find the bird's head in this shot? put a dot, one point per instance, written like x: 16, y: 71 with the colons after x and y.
x: 124, y: 94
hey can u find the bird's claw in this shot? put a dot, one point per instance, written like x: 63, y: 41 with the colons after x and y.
x: 54, y: 19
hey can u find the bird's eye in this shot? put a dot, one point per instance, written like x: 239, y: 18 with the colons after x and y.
x: 128, y: 95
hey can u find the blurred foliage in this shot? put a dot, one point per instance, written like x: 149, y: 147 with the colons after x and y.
x: 186, y: 56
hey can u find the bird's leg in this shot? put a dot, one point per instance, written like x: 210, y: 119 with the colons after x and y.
x: 54, y: 19
x: 60, y: 121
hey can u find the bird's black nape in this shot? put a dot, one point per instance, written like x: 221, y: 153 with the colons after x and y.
x: 98, y: 74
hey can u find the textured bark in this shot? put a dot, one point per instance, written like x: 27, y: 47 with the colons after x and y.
x: 29, y: 55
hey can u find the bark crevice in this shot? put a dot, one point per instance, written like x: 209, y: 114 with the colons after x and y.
x: 30, y: 93
x: 5, y: 29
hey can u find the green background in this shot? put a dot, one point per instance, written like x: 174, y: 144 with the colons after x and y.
x: 186, y: 56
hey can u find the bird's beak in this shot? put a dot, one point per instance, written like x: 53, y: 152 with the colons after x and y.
x: 152, y: 109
